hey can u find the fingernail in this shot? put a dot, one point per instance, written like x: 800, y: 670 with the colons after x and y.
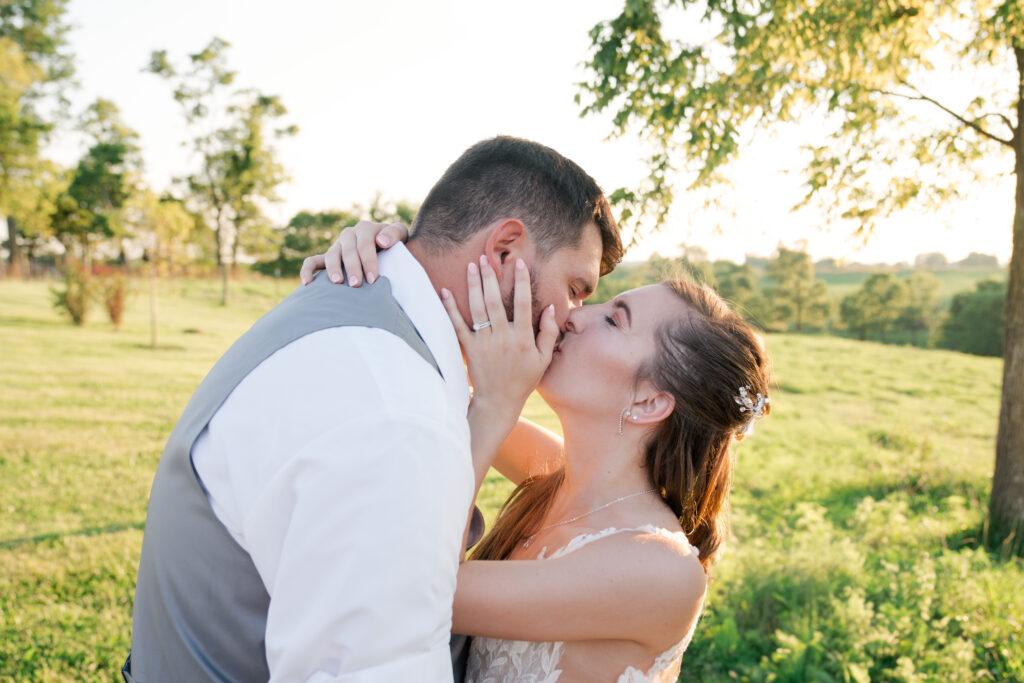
x: 551, y: 308
x: 353, y: 281
x: 520, y: 264
x: 336, y: 278
x: 305, y: 281
x: 445, y: 294
x: 473, y: 270
x: 483, y: 259
x: 370, y: 277
x: 383, y: 241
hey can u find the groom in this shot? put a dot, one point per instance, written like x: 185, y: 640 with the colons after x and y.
x: 306, y: 518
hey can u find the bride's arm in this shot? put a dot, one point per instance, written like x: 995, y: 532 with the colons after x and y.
x: 616, y: 588
x: 529, y: 450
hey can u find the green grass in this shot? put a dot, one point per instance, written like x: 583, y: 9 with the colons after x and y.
x: 856, y: 508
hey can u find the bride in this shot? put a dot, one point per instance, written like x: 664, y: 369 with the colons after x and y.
x: 597, y: 566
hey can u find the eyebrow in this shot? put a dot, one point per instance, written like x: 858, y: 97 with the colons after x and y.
x: 619, y: 303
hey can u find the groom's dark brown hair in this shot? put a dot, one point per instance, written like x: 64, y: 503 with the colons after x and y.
x: 507, y: 177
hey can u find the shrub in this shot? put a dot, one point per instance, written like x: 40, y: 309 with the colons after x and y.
x: 74, y: 298
x: 976, y: 320
x: 114, y: 292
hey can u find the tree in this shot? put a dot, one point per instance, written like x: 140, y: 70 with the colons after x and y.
x: 738, y: 284
x: 102, y: 183
x: 34, y: 68
x: 312, y: 233
x: 874, y: 308
x: 931, y: 261
x: 32, y: 201
x: 920, y: 307
x: 797, y: 297
x: 238, y: 168
x: 976, y: 320
x: 164, y: 227
x: 883, y: 142
x: 306, y: 233
x: 978, y: 260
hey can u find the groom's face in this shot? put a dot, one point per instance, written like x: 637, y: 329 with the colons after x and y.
x: 565, y: 278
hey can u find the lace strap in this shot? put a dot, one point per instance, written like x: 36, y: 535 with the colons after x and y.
x: 578, y: 542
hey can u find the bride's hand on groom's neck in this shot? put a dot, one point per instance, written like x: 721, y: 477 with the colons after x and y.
x: 355, y: 250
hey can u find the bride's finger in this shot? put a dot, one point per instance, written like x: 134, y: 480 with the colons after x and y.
x: 523, y: 300
x: 492, y: 296
x: 477, y: 309
x: 347, y: 242
x: 392, y: 233
x: 548, y: 333
x: 458, y: 322
x: 310, y: 266
x: 366, y: 247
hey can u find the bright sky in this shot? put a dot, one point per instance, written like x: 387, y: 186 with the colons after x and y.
x: 387, y: 93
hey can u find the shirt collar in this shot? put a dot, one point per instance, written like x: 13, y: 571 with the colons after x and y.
x: 414, y: 292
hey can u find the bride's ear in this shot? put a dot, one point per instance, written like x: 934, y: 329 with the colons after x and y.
x: 651, y: 406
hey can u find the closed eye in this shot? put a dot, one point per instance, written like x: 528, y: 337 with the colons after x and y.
x: 610, y: 320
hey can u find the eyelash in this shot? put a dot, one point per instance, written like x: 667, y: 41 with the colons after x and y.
x: 610, y: 320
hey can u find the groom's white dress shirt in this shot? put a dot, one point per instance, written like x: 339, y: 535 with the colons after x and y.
x: 342, y: 465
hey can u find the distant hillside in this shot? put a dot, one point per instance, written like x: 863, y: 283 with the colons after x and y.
x: 952, y: 280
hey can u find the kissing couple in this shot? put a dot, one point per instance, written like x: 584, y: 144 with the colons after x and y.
x: 312, y: 511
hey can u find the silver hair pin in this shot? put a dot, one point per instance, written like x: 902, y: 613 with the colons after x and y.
x: 753, y: 407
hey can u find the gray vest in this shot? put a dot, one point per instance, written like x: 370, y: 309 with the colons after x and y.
x: 200, y: 606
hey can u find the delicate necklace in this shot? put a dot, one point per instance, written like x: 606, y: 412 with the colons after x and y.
x: 529, y: 539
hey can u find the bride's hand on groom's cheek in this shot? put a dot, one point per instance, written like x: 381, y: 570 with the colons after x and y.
x: 506, y: 360
x: 356, y: 250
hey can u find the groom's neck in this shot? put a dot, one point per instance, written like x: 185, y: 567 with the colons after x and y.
x: 446, y: 268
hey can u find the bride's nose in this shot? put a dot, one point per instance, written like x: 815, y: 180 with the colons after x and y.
x: 573, y: 323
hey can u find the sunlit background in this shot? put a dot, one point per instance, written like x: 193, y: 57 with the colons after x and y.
x: 387, y: 93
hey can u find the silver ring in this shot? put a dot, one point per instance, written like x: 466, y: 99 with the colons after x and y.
x: 479, y: 326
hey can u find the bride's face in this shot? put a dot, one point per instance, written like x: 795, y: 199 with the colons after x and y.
x: 595, y: 365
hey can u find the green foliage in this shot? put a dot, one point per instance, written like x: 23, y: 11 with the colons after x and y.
x: 313, y: 233
x: 88, y: 211
x: 797, y: 299
x: 306, y: 234
x: 874, y: 308
x: 920, y: 307
x: 739, y: 285
x: 74, y: 298
x: 239, y: 170
x: 978, y: 260
x: 856, y: 66
x: 976, y: 320
x: 36, y: 67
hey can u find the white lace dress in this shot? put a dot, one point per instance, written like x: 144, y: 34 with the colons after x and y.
x: 493, y: 660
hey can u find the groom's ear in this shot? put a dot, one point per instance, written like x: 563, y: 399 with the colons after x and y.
x: 505, y: 243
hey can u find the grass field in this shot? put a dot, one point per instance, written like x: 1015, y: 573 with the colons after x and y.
x: 856, y: 506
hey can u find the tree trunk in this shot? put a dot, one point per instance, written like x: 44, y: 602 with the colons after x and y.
x: 1007, y: 508
x: 152, y: 301
x: 224, y: 284
x: 15, y: 258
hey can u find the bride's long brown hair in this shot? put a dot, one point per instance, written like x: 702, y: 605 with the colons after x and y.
x: 702, y: 360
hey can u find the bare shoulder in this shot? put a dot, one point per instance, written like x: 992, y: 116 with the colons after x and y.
x: 659, y: 574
